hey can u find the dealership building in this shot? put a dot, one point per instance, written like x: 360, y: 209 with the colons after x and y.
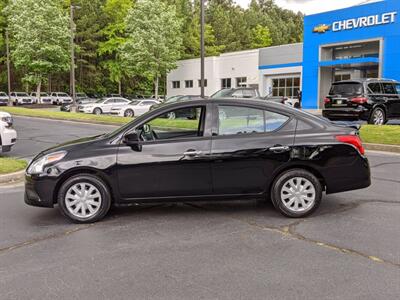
x: 358, y: 42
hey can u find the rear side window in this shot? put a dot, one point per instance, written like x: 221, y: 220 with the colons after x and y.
x: 245, y: 120
x: 398, y: 88
x: 375, y: 88
x: 348, y: 88
x: 389, y: 88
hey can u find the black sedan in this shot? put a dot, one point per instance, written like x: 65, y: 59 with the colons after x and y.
x: 233, y: 149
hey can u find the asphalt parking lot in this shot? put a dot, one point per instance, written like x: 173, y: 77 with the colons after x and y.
x: 350, y: 249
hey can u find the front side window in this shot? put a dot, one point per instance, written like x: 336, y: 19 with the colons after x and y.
x: 398, y: 88
x: 235, y: 120
x: 176, y: 124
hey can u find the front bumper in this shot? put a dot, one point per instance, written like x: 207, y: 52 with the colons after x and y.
x: 344, y: 113
x: 39, y: 191
x: 8, y: 139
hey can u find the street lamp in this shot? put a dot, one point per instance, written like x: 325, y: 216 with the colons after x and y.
x: 72, y: 25
x: 202, y: 48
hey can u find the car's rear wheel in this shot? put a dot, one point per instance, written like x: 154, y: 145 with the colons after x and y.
x: 97, y: 111
x: 129, y: 113
x: 296, y: 193
x: 378, y: 117
x: 84, y: 199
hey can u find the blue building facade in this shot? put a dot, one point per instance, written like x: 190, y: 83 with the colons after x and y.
x: 357, y: 42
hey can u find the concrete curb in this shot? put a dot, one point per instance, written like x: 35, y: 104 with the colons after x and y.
x: 12, y: 177
x: 381, y: 147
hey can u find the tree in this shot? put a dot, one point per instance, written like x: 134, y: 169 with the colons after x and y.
x: 115, y: 38
x: 39, y: 38
x: 260, y: 37
x: 153, y: 40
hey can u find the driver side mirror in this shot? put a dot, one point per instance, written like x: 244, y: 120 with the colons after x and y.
x: 132, y: 140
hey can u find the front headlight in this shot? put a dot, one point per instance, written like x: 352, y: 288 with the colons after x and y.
x: 37, y: 166
x: 7, y: 120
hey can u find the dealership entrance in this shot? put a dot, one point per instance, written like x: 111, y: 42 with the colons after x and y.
x: 355, y: 60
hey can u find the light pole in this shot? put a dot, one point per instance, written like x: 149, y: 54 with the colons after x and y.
x: 8, y: 68
x: 202, y: 49
x: 72, y: 25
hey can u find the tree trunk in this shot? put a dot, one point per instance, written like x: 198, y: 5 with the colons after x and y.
x: 156, y: 87
x: 119, y: 87
x: 39, y: 86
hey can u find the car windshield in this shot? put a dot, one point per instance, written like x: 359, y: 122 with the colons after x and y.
x: 43, y: 94
x: 22, y: 94
x: 3, y: 94
x: 221, y: 93
x: 134, y: 102
x: 350, y: 88
x: 101, y: 100
x: 63, y: 95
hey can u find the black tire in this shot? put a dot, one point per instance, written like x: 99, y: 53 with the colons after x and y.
x: 129, y: 113
x: 90, y: 179
x: 378, y: 117
x: 282, y: 180
x: 97, y: 111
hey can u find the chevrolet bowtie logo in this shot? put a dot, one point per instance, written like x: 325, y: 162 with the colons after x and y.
x: 321, y: 28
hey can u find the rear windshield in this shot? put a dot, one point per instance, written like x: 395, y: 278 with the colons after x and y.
x: 350, y: 88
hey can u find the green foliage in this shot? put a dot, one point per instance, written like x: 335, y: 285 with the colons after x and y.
x: 39, y: 38
x: 260, y: 37
x: 153, y: 44
x: 108, y: 50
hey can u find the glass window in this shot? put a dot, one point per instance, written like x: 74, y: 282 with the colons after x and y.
x: 241, y: 81
x: 188, y: 84
x: 148, y: 102
x: 398, y: 88
x: 273, y: 121
x: 375, y: 88
x: 348, y: 88
x: 205, y: 83
x: 226, y: 83
x: 249, y: 94
x: 285, y: 87
x: 389, y: 88
x: 240, y: 120
x: 238, y: 94
x: 109, y: 101
x: 176, y: 84
x: 178, y: 123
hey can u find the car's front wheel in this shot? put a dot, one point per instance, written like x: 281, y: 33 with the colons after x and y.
x: 97, y: 111
x: 84, y: 199
x: 378, y: 117
x: 129, y: 113
x: 296, y: 193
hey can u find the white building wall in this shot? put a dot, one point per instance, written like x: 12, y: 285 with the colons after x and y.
x: 228, y: 65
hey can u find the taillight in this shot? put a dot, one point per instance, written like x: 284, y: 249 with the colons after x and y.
x: 359, y: 100
x: 327, y: 100
x: 352, y: 140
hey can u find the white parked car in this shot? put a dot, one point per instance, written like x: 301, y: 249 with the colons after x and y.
x: 103, y: 106
x: 43, y: 99
x: 18, y: 98
x: 3, y: 98
x: 134, y: 108
x: 8, y: 136
x: 59, y: 98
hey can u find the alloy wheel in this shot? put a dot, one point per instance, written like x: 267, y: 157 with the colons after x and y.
x: 298, y: 194
x: 129, y: 113
x: 83, y: 200
x: 379, y: 117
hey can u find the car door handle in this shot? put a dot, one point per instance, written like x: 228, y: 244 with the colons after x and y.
x: 192, y: 153
x: 279, y: 149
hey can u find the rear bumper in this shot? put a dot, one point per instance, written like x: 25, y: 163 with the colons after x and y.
x: 359, y: 113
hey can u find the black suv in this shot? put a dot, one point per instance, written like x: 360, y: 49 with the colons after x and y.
x: 372, y: 100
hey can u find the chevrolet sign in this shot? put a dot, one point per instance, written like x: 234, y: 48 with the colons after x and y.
x: 361, y: 22
x: 321, y: 28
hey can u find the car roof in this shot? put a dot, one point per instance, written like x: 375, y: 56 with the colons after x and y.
x: 366, y: 80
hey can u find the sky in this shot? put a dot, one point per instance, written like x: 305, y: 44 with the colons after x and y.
x: 310, y: 6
